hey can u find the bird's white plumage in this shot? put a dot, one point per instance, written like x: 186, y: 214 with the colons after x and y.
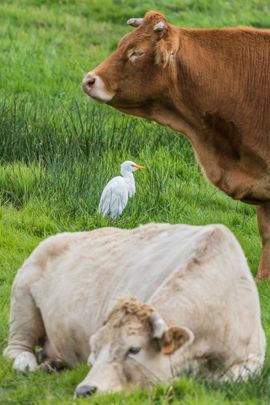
x: 114, y: 198
x: 115, y: 195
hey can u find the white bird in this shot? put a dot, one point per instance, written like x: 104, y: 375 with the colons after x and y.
x: 115, y: 195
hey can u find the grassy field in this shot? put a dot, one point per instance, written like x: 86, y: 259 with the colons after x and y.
x: 58, y: 150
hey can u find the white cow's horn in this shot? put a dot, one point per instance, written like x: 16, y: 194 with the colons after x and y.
x: 160, y: 26
x: 159, y: 326
x: 135, y: 22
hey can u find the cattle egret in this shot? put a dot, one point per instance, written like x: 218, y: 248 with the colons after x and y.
x: 115, y: 195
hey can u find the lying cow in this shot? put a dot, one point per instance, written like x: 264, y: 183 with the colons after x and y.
x: 197, y: 306
x: 210, y: 84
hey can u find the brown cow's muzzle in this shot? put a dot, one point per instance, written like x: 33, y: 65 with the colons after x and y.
x: 88, y: 82
x: 95, y: 87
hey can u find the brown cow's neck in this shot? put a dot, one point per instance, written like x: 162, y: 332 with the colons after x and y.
x: 215, y: 83
x: 211, y: 86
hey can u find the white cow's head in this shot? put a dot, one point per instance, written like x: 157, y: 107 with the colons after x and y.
x: 134, y: 347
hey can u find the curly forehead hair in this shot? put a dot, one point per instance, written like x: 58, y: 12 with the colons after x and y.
x: 127, y: 309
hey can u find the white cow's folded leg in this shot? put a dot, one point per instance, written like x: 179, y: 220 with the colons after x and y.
x: 26, y: 327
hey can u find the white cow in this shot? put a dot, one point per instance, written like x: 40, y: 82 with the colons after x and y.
x: 196, y: 306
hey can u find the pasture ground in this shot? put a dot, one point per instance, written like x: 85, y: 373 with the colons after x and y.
x: 58, y: 150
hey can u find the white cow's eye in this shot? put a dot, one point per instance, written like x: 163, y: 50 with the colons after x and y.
x: 134, y: 350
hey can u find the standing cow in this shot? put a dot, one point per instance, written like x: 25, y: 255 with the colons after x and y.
x: 197, y: 307
x: 213, y: 85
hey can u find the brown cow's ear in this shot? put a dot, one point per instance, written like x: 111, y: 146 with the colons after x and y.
x: 166, y: 50
x: 163, y: 53
x: 174, y: 338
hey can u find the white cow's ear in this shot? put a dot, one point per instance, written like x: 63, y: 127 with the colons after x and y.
x: 174, y: 338
x: 170, y: 339
x: 159, y: 327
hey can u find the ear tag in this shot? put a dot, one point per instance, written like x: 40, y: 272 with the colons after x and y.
x: 169, y: 349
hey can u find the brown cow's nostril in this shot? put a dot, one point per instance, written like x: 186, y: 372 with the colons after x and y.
x: 85, y: 390
x: 91, y: 80
x: 88, y: 82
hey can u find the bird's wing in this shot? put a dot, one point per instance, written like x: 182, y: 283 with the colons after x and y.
x: 131, y: 188
x: 114, y: 198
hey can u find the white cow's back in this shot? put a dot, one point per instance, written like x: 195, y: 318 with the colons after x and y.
x: 75, y: 278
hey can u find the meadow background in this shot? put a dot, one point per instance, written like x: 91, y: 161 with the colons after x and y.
x: 58, y: 150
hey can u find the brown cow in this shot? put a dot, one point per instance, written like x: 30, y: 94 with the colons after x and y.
x: 213, y: 85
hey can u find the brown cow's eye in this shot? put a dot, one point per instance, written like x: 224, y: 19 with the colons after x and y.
x: 134, y: 54
x: 134, y: 350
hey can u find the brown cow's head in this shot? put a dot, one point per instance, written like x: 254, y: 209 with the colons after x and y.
x: 135, y: 77
x: 135, y: 347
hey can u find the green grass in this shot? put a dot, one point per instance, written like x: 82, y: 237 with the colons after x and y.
x: 57, y: 151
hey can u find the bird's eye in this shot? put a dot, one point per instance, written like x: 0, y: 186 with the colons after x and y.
x: 134, y: 350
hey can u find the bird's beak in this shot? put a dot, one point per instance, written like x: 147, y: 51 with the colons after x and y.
x: 138, y: 167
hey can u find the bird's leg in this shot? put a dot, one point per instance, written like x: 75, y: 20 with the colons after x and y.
x: 263, y: 216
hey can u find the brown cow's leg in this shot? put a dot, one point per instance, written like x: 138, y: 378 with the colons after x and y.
x: 263, y: 216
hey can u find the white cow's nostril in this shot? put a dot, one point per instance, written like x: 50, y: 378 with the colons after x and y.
x: 85, y: 390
